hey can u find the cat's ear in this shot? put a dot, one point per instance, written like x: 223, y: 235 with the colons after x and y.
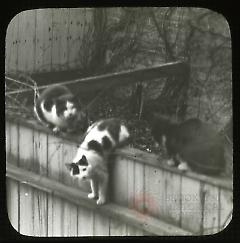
x: 83, y: 161
x: 69, y: 166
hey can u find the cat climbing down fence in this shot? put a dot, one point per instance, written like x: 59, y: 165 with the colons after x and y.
x: 91, y: 160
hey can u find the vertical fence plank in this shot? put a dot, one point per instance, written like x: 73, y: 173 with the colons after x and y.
x: 226, y: 207
x: 26, y: 49
x: 101, y: 225
x: 133, y: 231
x: 8, y: 139
x: 211, y: 208
x: 60, y: 38
x: 14, y: 138
x: 117, y: 228
x: 69, y: 219
x: 191, y: 201
x: 55, y: 214
x: 172, y: 197
x: 119, y: 188
x: 69, y: 209
x: 25, y: 191
x: 139, y: 187
x: 39, y: 197
x: 43, y: 39
x: 12, y: 189
x: 153, y: 198
x: 85, y: 222
x: 131, y: 181
x: 12, y: 202
x: 76, y: 28
x: 11, y: 60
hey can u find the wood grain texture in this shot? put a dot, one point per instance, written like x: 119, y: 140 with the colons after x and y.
x: 11, y: 57
x: 211, y: 210
x: 101, y: 225
x: 191, y: 205
x: 119, y: 181
x: 85, y: 222
x: 12, y: 196
x: 43, y: 59
x: 59, y: 190
x: 14, y: 147
x: 55, y: 204
x: 154, y: 200
x: 26, y: 213
x: 60, y: 32
x: 26, y: 37
x: 226, y: 207
x: 117, y: 228
x: 40, y: 213
x: 40, y: 210
x: 12, y: 186
x: 171, y: 193
x: 75, y: 35
x: 70, y: 217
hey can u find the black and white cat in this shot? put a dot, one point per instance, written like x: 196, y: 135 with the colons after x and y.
x: 91, y: 160
x: 60, y: 110
x: 191, y: 143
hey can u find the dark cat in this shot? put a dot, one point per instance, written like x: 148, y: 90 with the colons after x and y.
x: 191, y: 143
x: 60, y: 110
x: 91, y: 160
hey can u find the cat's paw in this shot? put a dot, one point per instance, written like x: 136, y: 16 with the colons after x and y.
x: 101, y: 201
x: 170, y: 162
x: 91, y: 195
x: 56, y: 130
x: 183, y: 166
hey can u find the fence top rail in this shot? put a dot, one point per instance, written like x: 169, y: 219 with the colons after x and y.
x: 124, y: 77
x: 131, y: 154
x: 130, y: 216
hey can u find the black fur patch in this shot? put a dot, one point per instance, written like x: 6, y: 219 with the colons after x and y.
x: 112, y: 126
x: 96, y: 146
x: 83, y: 161
x: 73, y: 167
x: 106, y: 142
x: 60, y: 107
x: 48, y: 104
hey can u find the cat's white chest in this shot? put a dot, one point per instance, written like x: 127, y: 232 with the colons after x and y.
x: 52, y: 116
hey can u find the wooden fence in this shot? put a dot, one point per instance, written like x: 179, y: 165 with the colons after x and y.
x: 146, y: 198
x: 41, y: 40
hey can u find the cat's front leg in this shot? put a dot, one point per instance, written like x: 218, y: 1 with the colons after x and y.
x: 93, y: 185
x: 102, y: 189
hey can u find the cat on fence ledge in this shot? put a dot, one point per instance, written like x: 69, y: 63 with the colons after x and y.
x: 191, y: 143
x: 60, y: 110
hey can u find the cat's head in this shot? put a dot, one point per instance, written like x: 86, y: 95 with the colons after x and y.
x: 80, y: 169
x: 68, y: 107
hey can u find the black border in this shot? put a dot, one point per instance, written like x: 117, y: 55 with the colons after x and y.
x: 228, y: 9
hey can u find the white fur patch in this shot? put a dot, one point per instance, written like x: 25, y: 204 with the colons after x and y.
x: 70, y: 110
x: 123, y: 134
x: 53, y: 117
x: 95, y: 134
x: 164, y: 139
